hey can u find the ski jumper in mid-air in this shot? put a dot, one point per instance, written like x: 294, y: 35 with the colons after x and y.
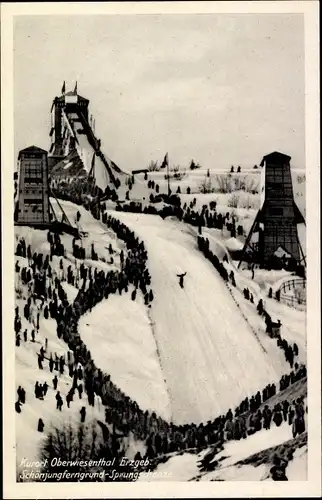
x: 181, y: 276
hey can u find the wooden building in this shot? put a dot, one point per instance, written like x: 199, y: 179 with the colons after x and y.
x: 33, y: 207
x: 33, y: 192
x: 273, y: 239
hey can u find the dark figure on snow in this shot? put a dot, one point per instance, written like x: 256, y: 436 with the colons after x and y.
x: 268, y: 322
x: 19, y: 393
x: 51, y: 363
x: 80, y: 390
x: 40, y: 361
x: 45, y: 388
x: 285, y: 406
x: 17, y: 406
x: 278, y: 470
x: 260, y: 307
x: 277, y: 417
x: 55, y: 382
x: 59, y: 401
x: 267, y: 417
x: 25, y: 335
x: 298, y: 422
x: 41, y: 425
x: 22, y: 395
x: 68, y: 399
x: 181, y: 276
x: 61, y: 365
x: 83, y: 414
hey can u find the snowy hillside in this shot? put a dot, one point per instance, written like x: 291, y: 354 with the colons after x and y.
x: 197, y: 351
x: 236, y: 193
x: 209, y: 356
x: 29, y: 440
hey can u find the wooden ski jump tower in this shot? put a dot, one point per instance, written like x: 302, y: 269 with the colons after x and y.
x: 66, y: 110
x: 33, y: 207
x: 273, y: 237
x: 71, y: 128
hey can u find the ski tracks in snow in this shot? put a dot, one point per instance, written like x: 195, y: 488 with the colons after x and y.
x: 152, y: 325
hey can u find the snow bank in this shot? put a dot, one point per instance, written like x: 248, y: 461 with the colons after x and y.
x: 297, y: 468
x: 177, y: 468
x: 234, y: 244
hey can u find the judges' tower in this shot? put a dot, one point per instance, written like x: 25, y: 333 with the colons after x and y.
x: 273, y: 236
x: 33, y: 195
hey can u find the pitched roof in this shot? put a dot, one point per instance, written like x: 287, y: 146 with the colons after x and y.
x: 32, y: 149
x: 276, y: 156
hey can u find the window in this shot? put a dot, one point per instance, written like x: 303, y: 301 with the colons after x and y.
x: 32, y: 201
x: 276, y: 211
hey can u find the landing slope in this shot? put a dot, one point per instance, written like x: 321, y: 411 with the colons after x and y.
x: 210, y: 357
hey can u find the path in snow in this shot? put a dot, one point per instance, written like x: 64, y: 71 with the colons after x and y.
x: 211, y: 358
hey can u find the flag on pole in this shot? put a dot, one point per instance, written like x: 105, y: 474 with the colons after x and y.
x: 75, y: 89
x: 63, y: 89
x: 165, y: 162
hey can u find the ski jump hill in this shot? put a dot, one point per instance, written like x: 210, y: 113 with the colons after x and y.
x: 75, y: 149
x: 209, y: 357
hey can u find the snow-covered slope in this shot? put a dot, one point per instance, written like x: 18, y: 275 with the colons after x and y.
x: 28, y: 439
x: 210, y: 357
x: 119, y: 335
x: 189, y: 357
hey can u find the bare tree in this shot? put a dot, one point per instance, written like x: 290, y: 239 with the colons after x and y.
x: 206, y: 186
x: 153, y: 166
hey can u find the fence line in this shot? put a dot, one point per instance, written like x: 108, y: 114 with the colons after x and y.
x: 289, y: 286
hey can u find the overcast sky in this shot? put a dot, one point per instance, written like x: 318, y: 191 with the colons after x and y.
x: 222, y: 89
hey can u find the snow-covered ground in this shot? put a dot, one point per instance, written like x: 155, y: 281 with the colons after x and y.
x: 210, y: 357
x: 187, y: 466
x: 297, y: 468
x: 189, y: 357
x: 119, y: 335
x: 28, y: 439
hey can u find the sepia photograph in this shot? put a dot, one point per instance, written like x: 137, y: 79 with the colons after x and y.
x: 158, y: 203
